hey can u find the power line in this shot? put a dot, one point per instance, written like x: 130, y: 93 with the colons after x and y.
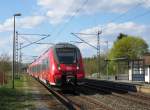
x: 44, y: 43
x: 25, y: 39
x: 134, y: 17
x: 84, y: 33
x: 84, y: 41
x: 71, y: 17
x: 138, y: 16
x: 70, y: 7
x: 34, y: 42
x: 25, y: 34
x: 123, y: 14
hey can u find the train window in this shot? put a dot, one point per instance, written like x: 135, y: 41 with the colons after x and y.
x: 38, y: 68
x: 44, y: 65
x: 47, y: 63
x: 66, y: 55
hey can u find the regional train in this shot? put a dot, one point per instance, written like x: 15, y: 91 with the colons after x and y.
x: 61, y: 65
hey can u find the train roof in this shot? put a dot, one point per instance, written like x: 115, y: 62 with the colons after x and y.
x: 64, y: 45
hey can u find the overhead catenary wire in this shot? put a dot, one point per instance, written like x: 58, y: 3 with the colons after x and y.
x: 84, y: 41
x: 139, y: 15
x: 44, y: 43
x: 129, y: 10
x: 70, y: 7
x: 132, y: 18
x: 71, y: 18
x: 123, y: 14
x: 34, y: 42
x: 25, y: 34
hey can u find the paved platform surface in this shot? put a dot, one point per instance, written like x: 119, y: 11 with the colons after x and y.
x: 40, y: 97
x: 140, y: 86
x: 137, y: 85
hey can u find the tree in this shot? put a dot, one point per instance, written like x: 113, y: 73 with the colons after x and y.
x: 121, y: 35
x: 131, y: 47
x: 5, y: 67
x: 5, y: 64
x: 91, y: 65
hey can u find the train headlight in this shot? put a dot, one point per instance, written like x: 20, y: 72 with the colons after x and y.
x: 59, y: 68
x: 77, y: 67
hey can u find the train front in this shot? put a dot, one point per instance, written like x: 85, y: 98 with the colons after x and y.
x: 69, y: 65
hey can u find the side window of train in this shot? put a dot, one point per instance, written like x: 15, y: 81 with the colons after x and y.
x: 38, y: 69
x: 78, y: 54
x: 33, y: 69
x: 41, y: 67
x: 46, y: 61
x: 44, y: 64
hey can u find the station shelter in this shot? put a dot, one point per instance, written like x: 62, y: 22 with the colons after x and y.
x: 139, y: 69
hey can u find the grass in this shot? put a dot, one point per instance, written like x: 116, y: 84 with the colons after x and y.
x: 14, y: 99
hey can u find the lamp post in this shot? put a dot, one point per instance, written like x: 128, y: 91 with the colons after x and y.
x: 14, y: 50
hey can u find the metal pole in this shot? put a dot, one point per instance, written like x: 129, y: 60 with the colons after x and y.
x: 108, y: 60
x: 98, y: 52
x: 107, y: 69
x: 13, y: 67
x: 14, y: 50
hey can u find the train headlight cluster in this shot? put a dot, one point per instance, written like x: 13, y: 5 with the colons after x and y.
x: 59, y: 68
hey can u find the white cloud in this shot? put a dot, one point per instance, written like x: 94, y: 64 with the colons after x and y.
x: 6, y: 44
x: 112, y: 30
x: 30, y: 21
x: 7, y: 25
x: 58, y: 10
x: 26, y: 22
x: 127, y: 27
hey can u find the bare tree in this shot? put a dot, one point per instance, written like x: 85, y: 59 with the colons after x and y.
x: 5, y: 67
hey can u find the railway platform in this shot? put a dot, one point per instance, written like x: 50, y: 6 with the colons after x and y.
x: 140, y: 86
x: 134, y: 86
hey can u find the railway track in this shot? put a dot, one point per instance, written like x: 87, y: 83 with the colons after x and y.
x: 62, y: 98
x: 87, y: 100
x: 89, y: 103
x: 77, y: 102
x: 124, y: 94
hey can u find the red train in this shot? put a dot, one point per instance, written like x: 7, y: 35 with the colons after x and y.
x: 61, y: 65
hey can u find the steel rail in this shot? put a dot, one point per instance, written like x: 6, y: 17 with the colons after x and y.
x: 67, y: 102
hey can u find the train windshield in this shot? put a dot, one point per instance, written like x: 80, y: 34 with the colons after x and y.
x: 66, y: 55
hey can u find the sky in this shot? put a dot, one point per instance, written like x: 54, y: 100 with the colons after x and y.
x: 60, y: 18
